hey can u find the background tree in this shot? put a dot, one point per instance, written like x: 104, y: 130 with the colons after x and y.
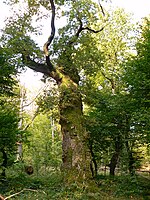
x: 44, y: 148
x: 8, y: 134
x: 106, y: 94
x: 120, y: 121
x: 137, y: 80
x: 7, y: 73
x: 8, y: 111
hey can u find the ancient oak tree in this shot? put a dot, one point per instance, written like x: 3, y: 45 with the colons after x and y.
x: 82, y: 18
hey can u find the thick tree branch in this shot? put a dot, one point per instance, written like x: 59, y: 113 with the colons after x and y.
x: 38, y: 67
x: 51, y: 37
x: 47, y: 69
x: 80, y: 28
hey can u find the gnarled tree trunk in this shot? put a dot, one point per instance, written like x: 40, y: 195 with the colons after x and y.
x: 76, y: 156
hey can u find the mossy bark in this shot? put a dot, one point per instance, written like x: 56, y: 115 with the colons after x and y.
x: 76, y: 155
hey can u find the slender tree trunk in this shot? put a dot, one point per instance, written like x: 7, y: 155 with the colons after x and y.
x: 4, y: 164
x: 93, y: 164
x: 19, y: 151
x: 76, y: 155
x: 113, y: 163
x: 131, y: 160
x: 115, y: 157
x: 131, y: 164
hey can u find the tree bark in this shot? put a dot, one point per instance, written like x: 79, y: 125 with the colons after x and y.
x: 76, y: 155
x: 131, y: 160
x: 115, y: 156
x: 93, y: 164
x: 113, y: 163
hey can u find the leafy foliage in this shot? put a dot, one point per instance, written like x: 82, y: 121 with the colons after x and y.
x: 9, y: 133
x: 44, y: 148
x: 117, y: 125
x: 51, y: 186
x: 138, y: 67
x: 7, y: 73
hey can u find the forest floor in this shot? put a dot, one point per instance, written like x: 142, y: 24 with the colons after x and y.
x: 20, y: 186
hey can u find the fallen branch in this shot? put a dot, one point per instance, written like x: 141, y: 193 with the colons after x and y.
x: 21, y: 192
x: 1, y: 197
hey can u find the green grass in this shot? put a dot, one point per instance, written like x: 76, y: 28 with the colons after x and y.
x: 127, y: 187
x: 50, y: 186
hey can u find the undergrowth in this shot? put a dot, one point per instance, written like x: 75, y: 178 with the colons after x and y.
x: 50, y: 186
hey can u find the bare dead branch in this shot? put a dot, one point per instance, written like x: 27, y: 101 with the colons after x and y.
x: 33, y: 118
x: 53, y: 73
x: 39, y: 92
x: 101, y: 8
x: 51, y: 37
